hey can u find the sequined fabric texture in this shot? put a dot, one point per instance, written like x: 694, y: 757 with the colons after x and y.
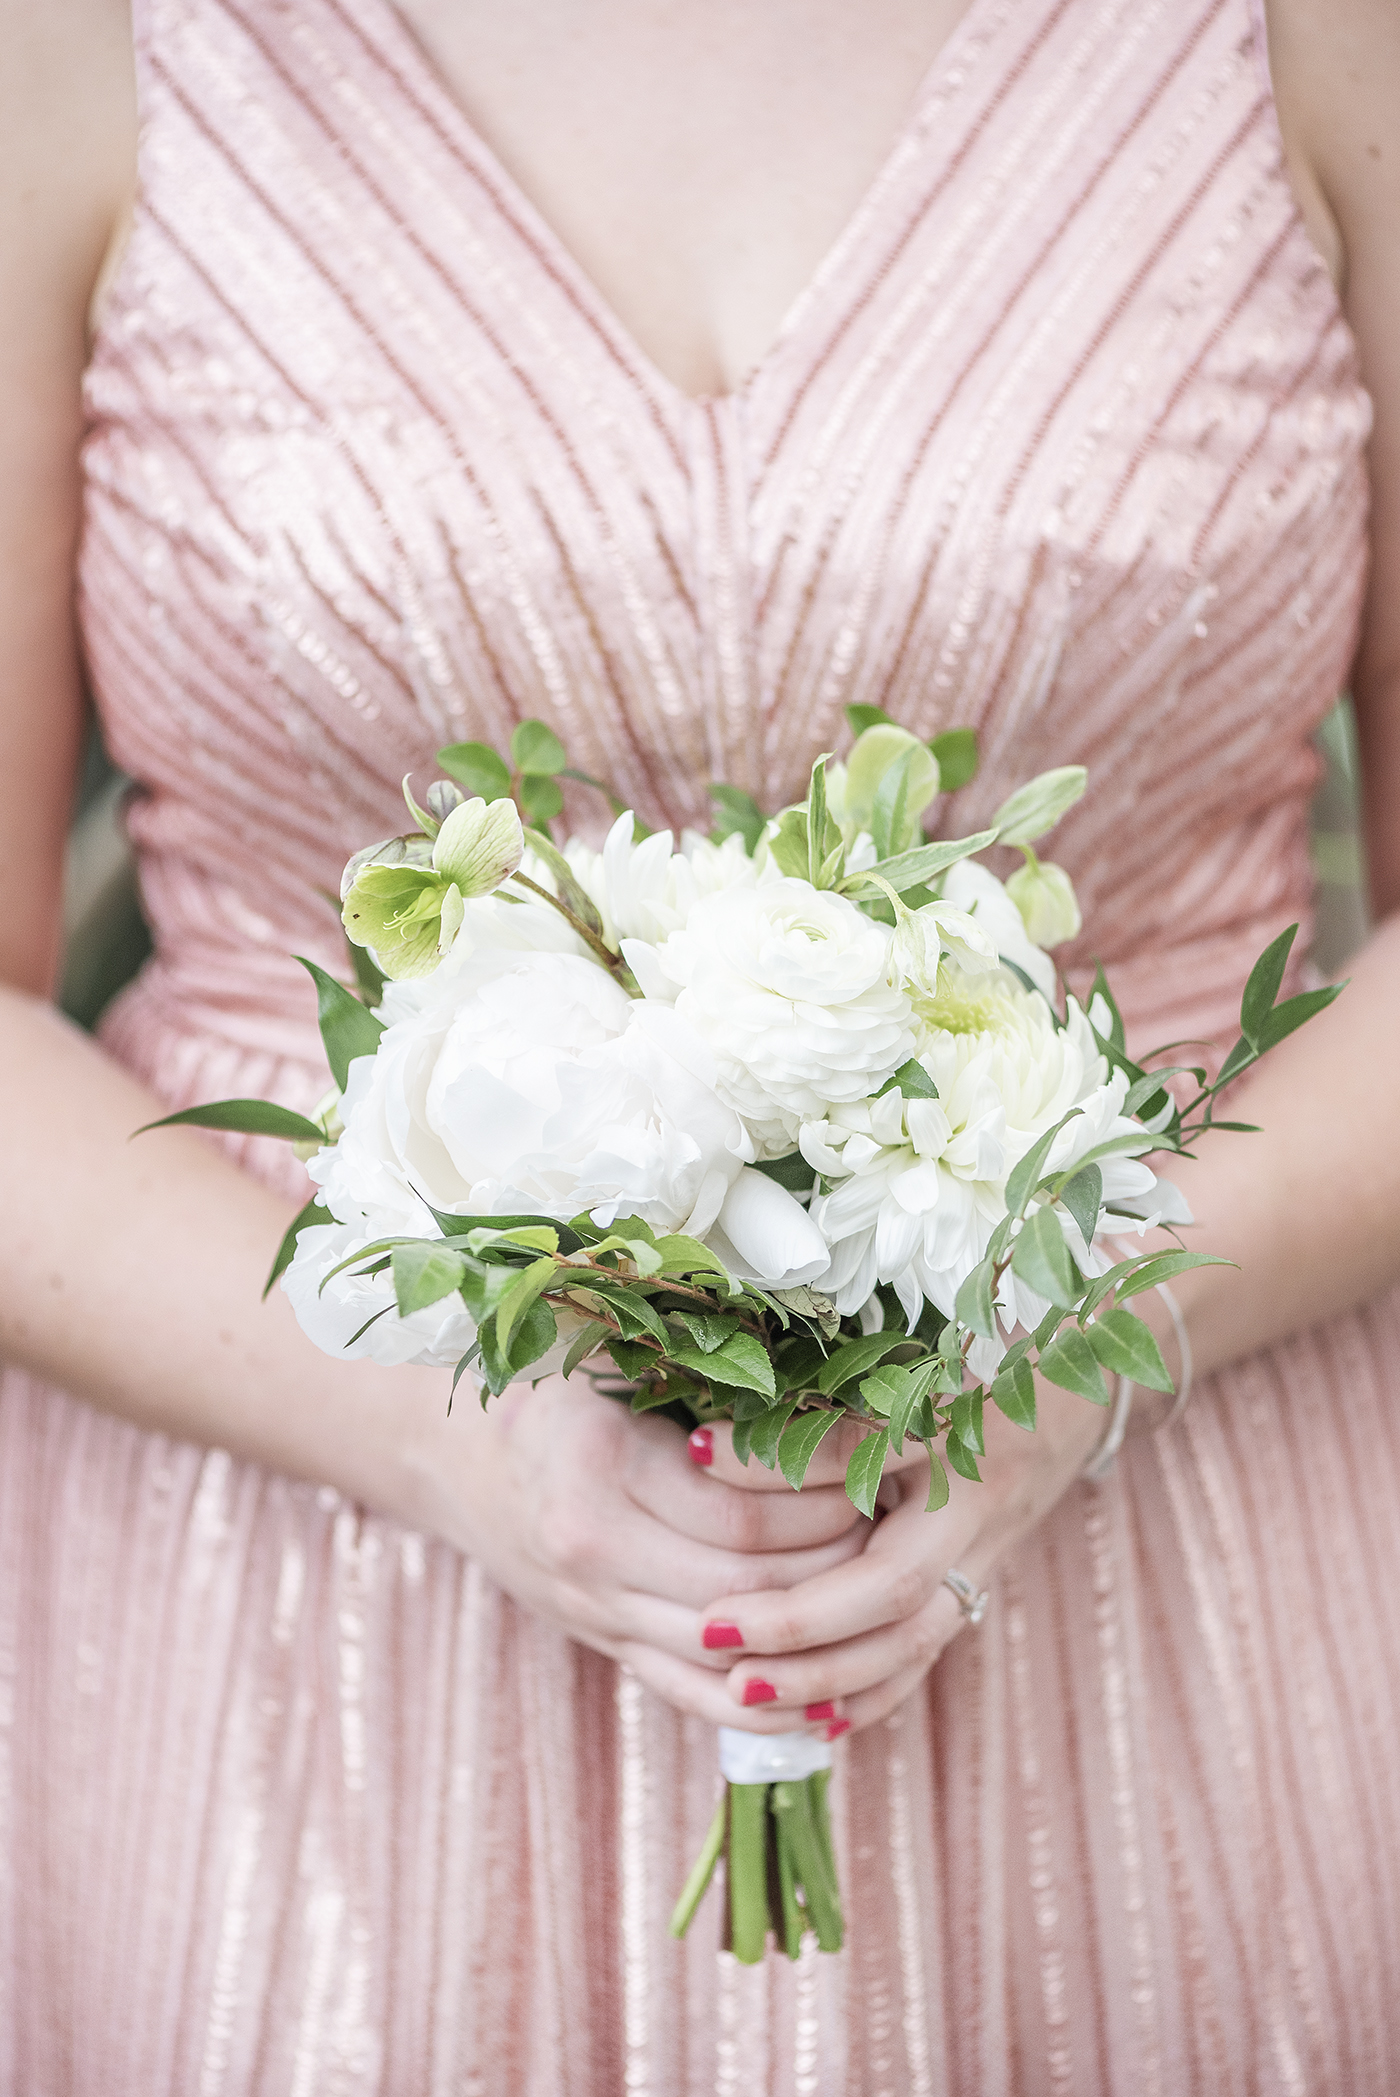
x: 1064, y: 441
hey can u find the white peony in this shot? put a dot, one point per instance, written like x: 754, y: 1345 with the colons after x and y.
x: 918, y: 1184
x: 790, y: 988
x: 436, y: 1337
x: 530, y: 1083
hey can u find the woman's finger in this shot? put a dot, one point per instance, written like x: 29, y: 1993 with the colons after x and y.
x: 895, y: 1576
x: 795, y: 1683
x: 700, y: 1692
x: 667, y: 1477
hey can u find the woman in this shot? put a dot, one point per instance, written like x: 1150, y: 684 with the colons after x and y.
x: 454, y: 364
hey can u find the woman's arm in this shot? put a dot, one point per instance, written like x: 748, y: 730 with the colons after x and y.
x: 130, y: 1274
x: 1310, y: 1208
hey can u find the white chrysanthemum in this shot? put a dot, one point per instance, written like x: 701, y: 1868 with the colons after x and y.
x: 531, y: 1083
x: 919, y: 1183
x: 790, y: 987
x: 645, y: 890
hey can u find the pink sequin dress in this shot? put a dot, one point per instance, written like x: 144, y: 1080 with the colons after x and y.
x: 1064, y: 440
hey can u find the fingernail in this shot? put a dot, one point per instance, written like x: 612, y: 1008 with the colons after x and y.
x: 837, y: 1727
x: 702, y: 1446
x: 759, y: 1692
x: 815, y: 1711
x: 716, y: 1635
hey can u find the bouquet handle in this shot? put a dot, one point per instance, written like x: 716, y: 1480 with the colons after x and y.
x: 772, y: 1826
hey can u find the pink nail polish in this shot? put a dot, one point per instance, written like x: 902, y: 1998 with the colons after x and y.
x: 717, y: 1635
x: 702, y: 1446
x: 760, y: 1692
x: 837, y: 1728
x: 816, y: 1711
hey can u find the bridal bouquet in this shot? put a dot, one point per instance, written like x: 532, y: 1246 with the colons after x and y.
x: 787, y: 1125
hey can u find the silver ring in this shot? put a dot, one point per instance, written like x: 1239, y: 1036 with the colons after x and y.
x: 971, y: 1602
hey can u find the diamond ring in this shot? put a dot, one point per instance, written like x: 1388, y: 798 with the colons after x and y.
x: 971, y: 1601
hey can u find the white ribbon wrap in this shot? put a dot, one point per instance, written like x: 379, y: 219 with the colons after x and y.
x: 770, y: 1758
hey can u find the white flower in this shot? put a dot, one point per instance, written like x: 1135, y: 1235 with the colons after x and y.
x: 645, y: 890
x: 436, y: 1337
x: 789, y: 986
x: 923, y: 937
x: 919, y: 1183
x: 530, y: 1083
x: 971, y: 887
x: 338, y: 1317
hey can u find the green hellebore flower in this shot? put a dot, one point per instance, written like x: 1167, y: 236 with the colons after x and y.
x: 1044, y: 895
x: 408, y: 914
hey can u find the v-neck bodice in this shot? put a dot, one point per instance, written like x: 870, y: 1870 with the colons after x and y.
x: 1064, y: 441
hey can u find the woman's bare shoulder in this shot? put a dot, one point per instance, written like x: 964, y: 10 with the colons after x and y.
x: 67, y: 144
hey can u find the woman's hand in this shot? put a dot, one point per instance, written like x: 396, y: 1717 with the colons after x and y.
x: 599, y: 1520
x: 846, y: 1645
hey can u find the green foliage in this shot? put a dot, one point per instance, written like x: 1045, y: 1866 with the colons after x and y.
x: 305, y: 1219
x: 348, y: 1028
x: 477, y: 769
x: 243, y: 1117
x: 737, y: 814
x: 956, y: 753
x: 536, y: 750
x: 1041, y: 1259
x: 864, y: 1470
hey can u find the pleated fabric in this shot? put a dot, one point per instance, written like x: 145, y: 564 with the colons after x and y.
x: 1063, y: 441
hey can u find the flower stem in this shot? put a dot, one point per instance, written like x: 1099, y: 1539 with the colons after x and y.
x: 748, y: 1871
x: 802, y: 1812
x: 697, y: 1885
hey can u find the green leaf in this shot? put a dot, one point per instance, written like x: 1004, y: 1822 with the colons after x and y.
x: 737, y: 815
x: 1117, y: 1035
x: 884, y: 1387
x: 1071, y: 1362
x: 863, y: 717
x: 966, y: 1420
x: 1265, y: 981
x: 1024, y: 1178
x: 1239, y: 1058
x: 937, y: 1483
x: 1294, y: 1012
x: 1041, y: 1259
x: 819, y: 843
x: 961, y: 1458
x: 890, y: 826
x: 536, y: 1333
x: 1038, y: 805
x: 765, y: 1432
x: 348, y: 1028
x: 1123, y: 1344
x: 540, y: 797
x: 792, y: 1172
x: 956, y: 751
x: 741, y: 1362
x: 304, y: 1220
x: 1083, y: 1197
x: 630, y: 1309
x: 856, y: 1357
x: 922, y: 864
x: 911, y: 1080
x: 478, y: 769
x: 973, y: 1305
x: 906, y: 1406
x: 864, y: 1470
x: 535, y: 749
x: 424, y: 1273
x: 590, y: 1338
x: 798, y: 1443
x: 682, y: 1255
x: 708, y: 1331
x: 1013, y: 1391
x: 244, y: 1117
x: 741, y: 1438
x: 632, y: 1359
x: 522, y: 1292
x: 1165, y: 1266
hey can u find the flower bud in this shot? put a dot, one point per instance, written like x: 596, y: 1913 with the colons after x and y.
x: 923, y: 937
x: 1045, y: 897
x: 443, y: 796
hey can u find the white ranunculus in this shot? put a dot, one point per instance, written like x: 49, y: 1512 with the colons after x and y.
x: 790, y: 987
x: 530, y: 1083
x: 918, y: 1183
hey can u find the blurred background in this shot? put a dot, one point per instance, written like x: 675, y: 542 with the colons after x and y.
x: 107, y: 938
